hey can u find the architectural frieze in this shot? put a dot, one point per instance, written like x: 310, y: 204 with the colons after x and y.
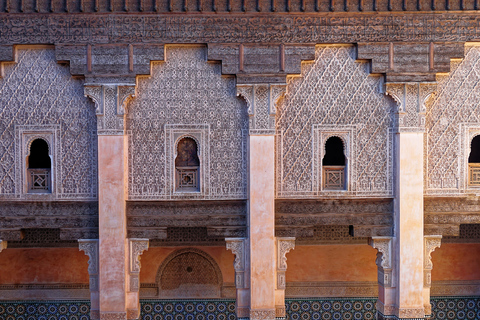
x: 239, y: 28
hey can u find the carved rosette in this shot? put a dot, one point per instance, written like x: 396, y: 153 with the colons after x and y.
x: 110, y: 104
x: 90, y: 247
x: 136, y: 248
x: 430, y: 244
x: 238, y: 248
x: 3, y: 245
x: 262, y: 102
x: 284, y: 246
x: 384, y: 259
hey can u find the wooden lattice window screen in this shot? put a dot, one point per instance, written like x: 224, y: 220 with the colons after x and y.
x: 39, y: 180
x: 334, y: 177
x: 474, y: 174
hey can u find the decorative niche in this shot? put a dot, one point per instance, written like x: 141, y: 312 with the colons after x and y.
x: 188, y: 160
x: 37, y: 149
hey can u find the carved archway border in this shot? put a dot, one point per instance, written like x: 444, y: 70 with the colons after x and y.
x: 179, y: 252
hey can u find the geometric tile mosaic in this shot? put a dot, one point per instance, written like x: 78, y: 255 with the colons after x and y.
x: 342, y: 309
x: 456, y: 308
x: 45, y: 310
x: 188, y: 310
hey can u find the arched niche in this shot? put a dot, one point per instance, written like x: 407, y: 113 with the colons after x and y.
x: 189, y: 273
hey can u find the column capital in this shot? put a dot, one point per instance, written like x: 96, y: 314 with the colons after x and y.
x: 238, y: 246
x: 410, y: 99
x: 136, y: 247
x: 110, y: 105
x: 262, y: 100
x: 384, y: 261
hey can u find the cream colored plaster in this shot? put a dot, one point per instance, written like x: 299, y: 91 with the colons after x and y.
x: 262, y: 222
x: 409, y: 220
x: 112, y: 222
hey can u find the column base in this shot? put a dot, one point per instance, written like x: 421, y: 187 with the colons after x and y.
x: 133, y: 314
x: 113, y: 316
x: 262, y: 314
x: 280, y: 312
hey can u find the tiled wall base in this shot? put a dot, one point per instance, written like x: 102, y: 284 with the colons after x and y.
x: 457, y: 308
x: 188, y: 310
x: 342, y: 309
x: 45, y: 310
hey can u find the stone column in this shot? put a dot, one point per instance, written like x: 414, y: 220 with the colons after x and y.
x: 110, y: 103
x: 386, y: 284
x: 284, y: 245
x: 430, y: 244
x: 261, y: 99
x: 408, y: 212
x: 135, y: 250
x: 90, y: 247
x: 239, y: 247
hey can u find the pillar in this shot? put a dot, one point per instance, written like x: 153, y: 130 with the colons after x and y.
x: 261, y: 242
x: 386, y: 281
x: 112, y: 185
x: 408, y: 244
x: 90, y: 248
x: 239, y: 247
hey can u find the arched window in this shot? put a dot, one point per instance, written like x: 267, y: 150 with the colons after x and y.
x: 333, y: 164
x: 474, y: 163
x: 187, y: 166
x: 39, y: 167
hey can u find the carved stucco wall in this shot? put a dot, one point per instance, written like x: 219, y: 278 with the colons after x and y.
x: 38, y: 94
x: 187, y: 95
x: 334, y: 95
x: 452, y: 120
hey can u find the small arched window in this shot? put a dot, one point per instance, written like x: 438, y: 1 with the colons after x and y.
x: 474, y: 162
x: 187, y: 166
x: 333, y: 165
x: 39, y: 167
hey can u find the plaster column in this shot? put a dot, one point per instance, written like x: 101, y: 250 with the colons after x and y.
x: 135, y: 250
x: 261, y: 99
x: 239, y: 247
x: 408, y: 211
x: 430, y: 244
x: 3, y: 245
x: 90, y: 247
x: 284, y: 246
x: 112, y: 185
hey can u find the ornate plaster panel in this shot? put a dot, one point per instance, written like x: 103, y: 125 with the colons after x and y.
x: 334, y: 91
x: 37, y: 93
x: 452, y: 119
x: 186, y: 91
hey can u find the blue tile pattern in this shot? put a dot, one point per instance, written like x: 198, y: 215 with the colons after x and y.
x: 331, y: 309
x: 451, y: 308
x: 45, y: 310
x: 188, y: 310
x: 458, y: 308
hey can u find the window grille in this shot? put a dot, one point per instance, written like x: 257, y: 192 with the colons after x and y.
x: 187, y: 178
x: 334, y: 177
x: 39, y: 180
x: 474, y: 174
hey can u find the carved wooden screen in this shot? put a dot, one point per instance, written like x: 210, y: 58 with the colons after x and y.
x: 333, y: 165
x: 39, y: 167
x: 474, y: 163
x: 187, y: 166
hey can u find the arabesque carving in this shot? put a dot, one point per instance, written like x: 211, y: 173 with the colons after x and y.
x: 284, y: 246
x: 239, y: 249
x: 384, y: 261
x: 136, y: 248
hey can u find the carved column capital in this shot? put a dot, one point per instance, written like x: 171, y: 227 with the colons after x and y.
x: 135, y: 247
x: 411, y: 99
x: 262, y: 100
x: 110, y: 105
x: 238, y: 246
x: 431, y: 242
x: 90, y: 248
x: 384, y: 261
x: 284, y: 246
x: 3, y: 245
